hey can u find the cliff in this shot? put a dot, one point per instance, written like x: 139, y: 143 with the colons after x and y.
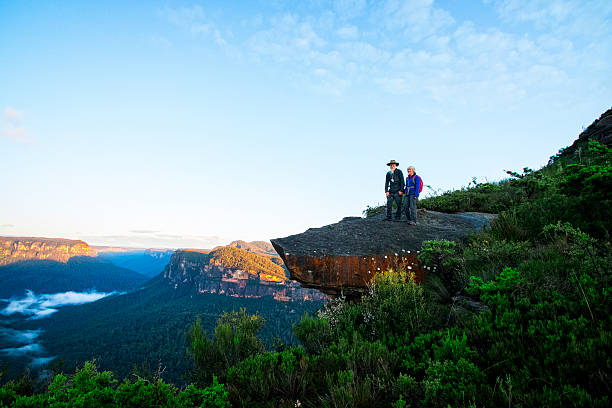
x: 600, y: 129
x: 343, y: 257
x: 13, y: 249
x: 233, y: 272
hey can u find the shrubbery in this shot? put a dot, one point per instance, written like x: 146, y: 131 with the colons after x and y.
x: 88, y: 388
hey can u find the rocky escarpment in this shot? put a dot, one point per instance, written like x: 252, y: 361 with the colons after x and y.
x: 13, y: 249
x: 600, y: 129
x: 201, y: 272
x: 343, y: 257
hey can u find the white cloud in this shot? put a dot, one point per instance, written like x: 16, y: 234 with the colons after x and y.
x: 348, y: 32
x: 188, y: 18
x: 577, y: 17
x: 16, y: 133
x: 13, y: 128
x: 39, y: 306
x: 417, y: 18
x: 160, y: 41
x: 13, y: 115
x: 19, y: 336
x: 143, y: 239
x: 541, y: 12
x: 23, y: 350
x: 415, y: 47
x: 347, y: 9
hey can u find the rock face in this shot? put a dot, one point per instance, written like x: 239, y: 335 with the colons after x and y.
x: 600, y: 129
x: 13, y: 249
x: 343, y: 257
x: 192, y: 271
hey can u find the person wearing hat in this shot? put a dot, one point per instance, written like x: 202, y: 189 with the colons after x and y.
x: 394, y: 189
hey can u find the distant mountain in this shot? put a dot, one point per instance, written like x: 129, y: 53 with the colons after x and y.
x: 257, y: 247
x: 234, y: 272
x: 77, y: 274
x: 148, y: 262
x: 148, y: 325
x: 14, y: 249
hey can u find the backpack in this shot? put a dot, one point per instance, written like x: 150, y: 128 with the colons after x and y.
x: 421, y: 186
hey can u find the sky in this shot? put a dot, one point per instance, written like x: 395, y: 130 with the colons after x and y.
x: 192, y: 124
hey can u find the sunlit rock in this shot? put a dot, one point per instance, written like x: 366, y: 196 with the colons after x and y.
x: 13, y: 249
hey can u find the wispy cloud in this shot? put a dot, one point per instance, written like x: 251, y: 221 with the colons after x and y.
x: 23, y: 345
x: 13, y: 128
x: 348, y: 32
x: 415, y: 47
x: 7, y: 226
x: 17, y: 336
x: 190, y: 19
x: 39, y: 306
x: 13, y: 115
x: 155, y: 239
x: 34, y: 348
x: 160, y: 41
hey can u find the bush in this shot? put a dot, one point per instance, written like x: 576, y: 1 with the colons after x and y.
x: 315, y: 334
x: 396, y: 306
x: 88, y: 388
x: 235, y: 338
x: 270, y: 379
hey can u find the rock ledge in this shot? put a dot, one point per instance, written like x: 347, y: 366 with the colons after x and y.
x: 343, y: 257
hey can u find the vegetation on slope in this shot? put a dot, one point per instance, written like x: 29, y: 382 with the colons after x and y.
x: 517, y: 315
x: 237, y: 258
x: 78, y: 274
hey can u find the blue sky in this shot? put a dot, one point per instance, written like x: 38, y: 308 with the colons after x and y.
x: 191, y: 124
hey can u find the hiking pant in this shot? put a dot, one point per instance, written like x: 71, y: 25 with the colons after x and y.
x: 410, y: 206
x: 398, y: 201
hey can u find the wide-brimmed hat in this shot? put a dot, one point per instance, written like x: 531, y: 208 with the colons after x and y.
x: 393, y: 162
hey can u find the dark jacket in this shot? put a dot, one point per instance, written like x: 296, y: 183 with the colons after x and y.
x: 394, y: 181
x: 413, y: 185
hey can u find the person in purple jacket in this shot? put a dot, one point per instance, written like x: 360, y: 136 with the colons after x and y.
x: 414, y: 185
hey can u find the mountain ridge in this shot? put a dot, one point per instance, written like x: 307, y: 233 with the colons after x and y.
x: 13, y: 249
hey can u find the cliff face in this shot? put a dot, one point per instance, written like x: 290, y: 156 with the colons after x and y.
x: 190, y: 271
x: 600, y: 129
x: 343, y: 257
x: 13, y: 249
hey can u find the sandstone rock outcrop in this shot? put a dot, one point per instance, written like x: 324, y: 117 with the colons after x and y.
x: 193, y: 271
x: 343, y: 257
x: 13, y: 249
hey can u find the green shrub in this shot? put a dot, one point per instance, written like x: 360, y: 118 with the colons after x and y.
x: 396, y: 305
x: 455, y: 383
x: 270, y: 379
x: 346, y: 389
x: 88, y: 388
x: 235, y: 338
x: 315, y: 334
